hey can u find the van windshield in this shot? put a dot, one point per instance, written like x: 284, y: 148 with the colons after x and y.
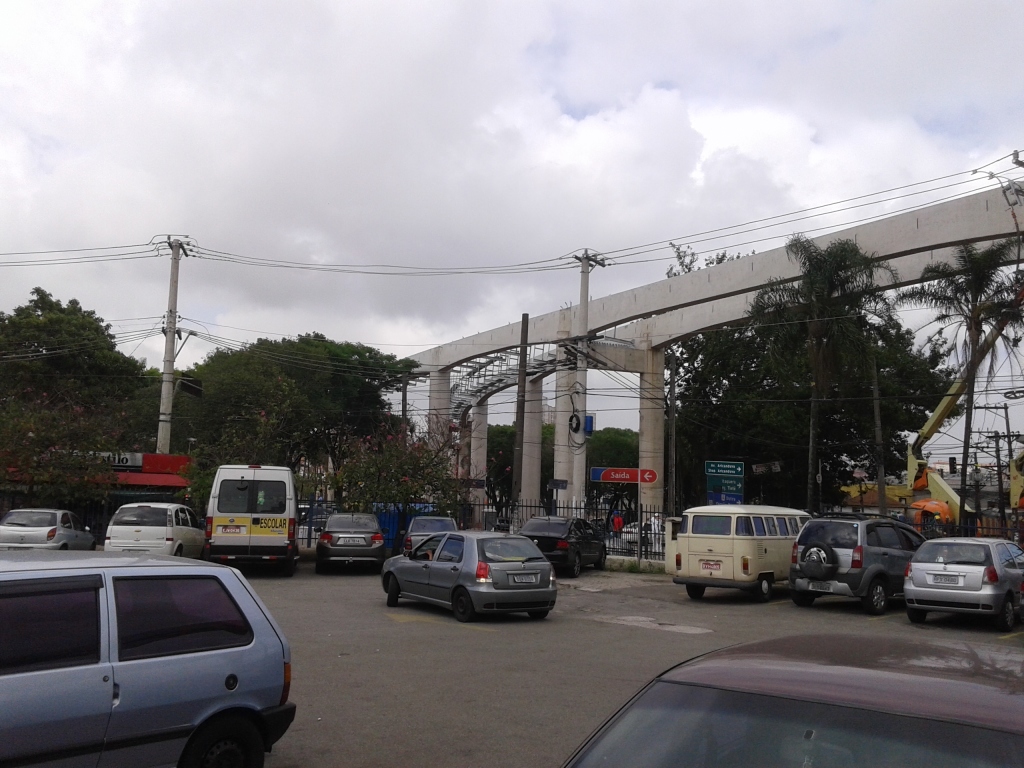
x: 152, y: 517
x: 711, y: 525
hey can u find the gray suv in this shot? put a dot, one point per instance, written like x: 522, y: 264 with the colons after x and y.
x: 137, y: 660
x: 854, y: 556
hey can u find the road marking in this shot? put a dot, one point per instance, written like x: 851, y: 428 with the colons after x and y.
x: 1012, y: 634
x: 413, y: 619
x: 887, y: 616
x: 646, y: 622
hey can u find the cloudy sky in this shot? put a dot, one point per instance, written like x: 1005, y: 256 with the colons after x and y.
x: 457, y: 134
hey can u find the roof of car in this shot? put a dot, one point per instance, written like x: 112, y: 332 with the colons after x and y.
x: 968, y: 540
x: 26, y: 560
x: 744, y: 509
x: 155, y: 504
x: 37, y: 509
x: 955, y: 681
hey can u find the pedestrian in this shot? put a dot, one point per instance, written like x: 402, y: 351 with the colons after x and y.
x: 617, y: 523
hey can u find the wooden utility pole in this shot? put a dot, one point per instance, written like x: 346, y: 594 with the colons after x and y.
x: 517, y: 455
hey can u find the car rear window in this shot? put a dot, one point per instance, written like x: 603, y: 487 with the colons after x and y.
x: 547, y: 527
x: 153, y: 517
x: 431, y: 524
x: 953, y: 553
x: 233, y: 497
x: 511, y: 549
x: 166, y: 615
x: 352, y: 523
x: 711, y: 525
x: 29, y: 518
x: 832, y: 532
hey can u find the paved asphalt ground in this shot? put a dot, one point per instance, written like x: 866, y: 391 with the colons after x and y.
x: 410, y: 686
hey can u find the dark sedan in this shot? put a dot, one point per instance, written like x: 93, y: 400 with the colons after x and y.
x: 350, y: 538
x: 567, y: 542
x: 824, y: 701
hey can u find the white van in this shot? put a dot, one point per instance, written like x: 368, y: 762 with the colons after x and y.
x: 251, y: 516
x: 163, y: 529
x: 742, y: 546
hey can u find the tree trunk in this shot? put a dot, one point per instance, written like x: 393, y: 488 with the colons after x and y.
x: 883, y: 502
x: 968, y: 418
x: 812, y: 450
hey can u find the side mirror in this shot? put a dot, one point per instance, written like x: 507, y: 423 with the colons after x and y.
x: 318, y: 530
x: 401, y: 533
x: 406, y: 553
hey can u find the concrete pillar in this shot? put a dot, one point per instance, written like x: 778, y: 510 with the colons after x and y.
x: 532, y: 438
x: 564, y: 381
x: 652, y: 427
x: 478, y: 452
x: 439, y: 408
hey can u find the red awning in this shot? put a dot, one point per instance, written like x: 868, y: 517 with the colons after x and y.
x: 151, y: 479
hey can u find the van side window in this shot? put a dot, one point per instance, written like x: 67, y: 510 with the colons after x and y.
x: 759, y: 526
x: 49, y: 623
x: 233, y: 498
x: 744, y: 527
x: 167, y: 615
x: 270, y: 497
x: 682, y: 523
x: 772, y: 530
x: 783, y: 528
x: 794, y: 526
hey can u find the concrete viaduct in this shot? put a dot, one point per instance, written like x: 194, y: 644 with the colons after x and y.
x: 629, y: 332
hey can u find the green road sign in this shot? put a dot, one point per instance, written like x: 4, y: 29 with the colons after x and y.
x: 726, y: 468
x: 719, y: 484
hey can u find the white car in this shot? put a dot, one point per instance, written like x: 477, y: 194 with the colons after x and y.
x: 160, y: 528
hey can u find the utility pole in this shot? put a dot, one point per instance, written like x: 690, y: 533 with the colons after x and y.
x: 405, y: 408
x: 671, y: 484
x: 1009, y: 453
x: 999, y: 479
x: 581, y: 331
x: 883, y: 501
x: 517, y: 452
x: 163, y: 434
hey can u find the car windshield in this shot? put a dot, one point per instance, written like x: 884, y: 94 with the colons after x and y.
x: 431, y: 524
x: 153, y: 517
x: 953, y: 553
x: 835, y: 533
x: 545, y: 526
x: 513, y: 549
x: 672, y: 725
x: 352, y: 523
x: 29, y: 518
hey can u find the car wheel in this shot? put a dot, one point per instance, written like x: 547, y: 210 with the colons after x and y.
x: 916, y: 615
x: 803, y: 599
x: 288, y: 569
x: 177, y: 552
x: 764, y: 589
x: 462, y: 606
x: 575, y: 566
x: 1006, y: 618
x: 818, y: 561
x: 320, y: 567
x: 229, y: 741
x: 538, y: 615
x: 63, y: 547
x: 876, y: 600
x: 600, y: 563
x: 394, y: 591
x: 92, y: 547
x: 695, y: 591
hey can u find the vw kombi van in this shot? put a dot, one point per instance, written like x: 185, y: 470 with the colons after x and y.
x: 251, y: 516
x: 741, y: 546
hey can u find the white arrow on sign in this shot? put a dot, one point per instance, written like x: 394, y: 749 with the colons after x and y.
x: 648, y: 475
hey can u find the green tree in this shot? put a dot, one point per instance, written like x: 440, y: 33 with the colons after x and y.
x: 980, y: 299
x: 614, y: 447
x: 823, y: 310
x: 500, y: 452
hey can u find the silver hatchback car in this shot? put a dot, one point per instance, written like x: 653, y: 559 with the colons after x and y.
x: 474, y: 572
x: 44, y: 529
x: 965, y: 575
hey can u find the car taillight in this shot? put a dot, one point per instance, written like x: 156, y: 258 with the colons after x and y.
x: 991, y: 577
x: 326, y: 538
x: 679, y: 562
x: 287, y: 683
x: 209, y: 527
x: 793, y: 559
x: 169, y: 538
x: 746, y: 564
x: 50, y: 534
x: 857, y: 559
x: 376, y: 538
x: 562, y: 544
x: 483, y: 571
x: 907, y: 571
x: 291, y: 529
x: 408, y: 542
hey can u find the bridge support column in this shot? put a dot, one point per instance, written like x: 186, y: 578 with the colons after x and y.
x: 439, y: 408
x: 652, y: 427
x: 564, y: 381
x: 532, y: 438
x: 478, y: 453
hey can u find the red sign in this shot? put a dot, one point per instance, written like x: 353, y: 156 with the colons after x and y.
x: 622, y: 475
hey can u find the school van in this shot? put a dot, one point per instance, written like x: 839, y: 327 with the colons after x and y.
x: 741, y: 546
x: 251, y: 516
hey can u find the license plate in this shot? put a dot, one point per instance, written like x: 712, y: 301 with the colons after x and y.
x: 710, y: 565
x: 821, y: 586
x: 230, y: 529
x: 524, y: 578
x: 945, y: 578
x: 351, y: 540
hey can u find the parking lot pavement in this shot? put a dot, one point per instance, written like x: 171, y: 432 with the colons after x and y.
x: 378, y: 686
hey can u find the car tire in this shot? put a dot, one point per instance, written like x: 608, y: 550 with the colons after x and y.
x: 816, y: 569
x: 575, y: 566
x: 764, y: 589
x: 695, y: 591
x: 802, y: 599
x: 178, y: 552
x: 288, y: 569
x: 394, y: 591
x: 1006, y: 617
x: 917, y: 616
x: 538, y: 615
x: 231, y: 741
x: 600, y: 562
x: 876, y: 599
x: 462, y: 606
x: 63, y: 547
x: 320, y: 567
x: 92, y: 547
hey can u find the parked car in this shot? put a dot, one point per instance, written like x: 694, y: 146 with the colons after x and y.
x: 163, y: 529
x: 568, y: 542
x: 138, y: 661
x: 422, y: 526
x: 44, y: 529
x: 474, y: 572
x: 819, y: 701
x: 350, y: 538
x: 853, y: 555
x: 963, y: 575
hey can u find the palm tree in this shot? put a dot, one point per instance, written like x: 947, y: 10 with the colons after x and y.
x: 822, y: 310
x: 981, y: 299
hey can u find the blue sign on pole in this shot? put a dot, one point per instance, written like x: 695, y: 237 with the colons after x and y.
x: 725, y: 498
